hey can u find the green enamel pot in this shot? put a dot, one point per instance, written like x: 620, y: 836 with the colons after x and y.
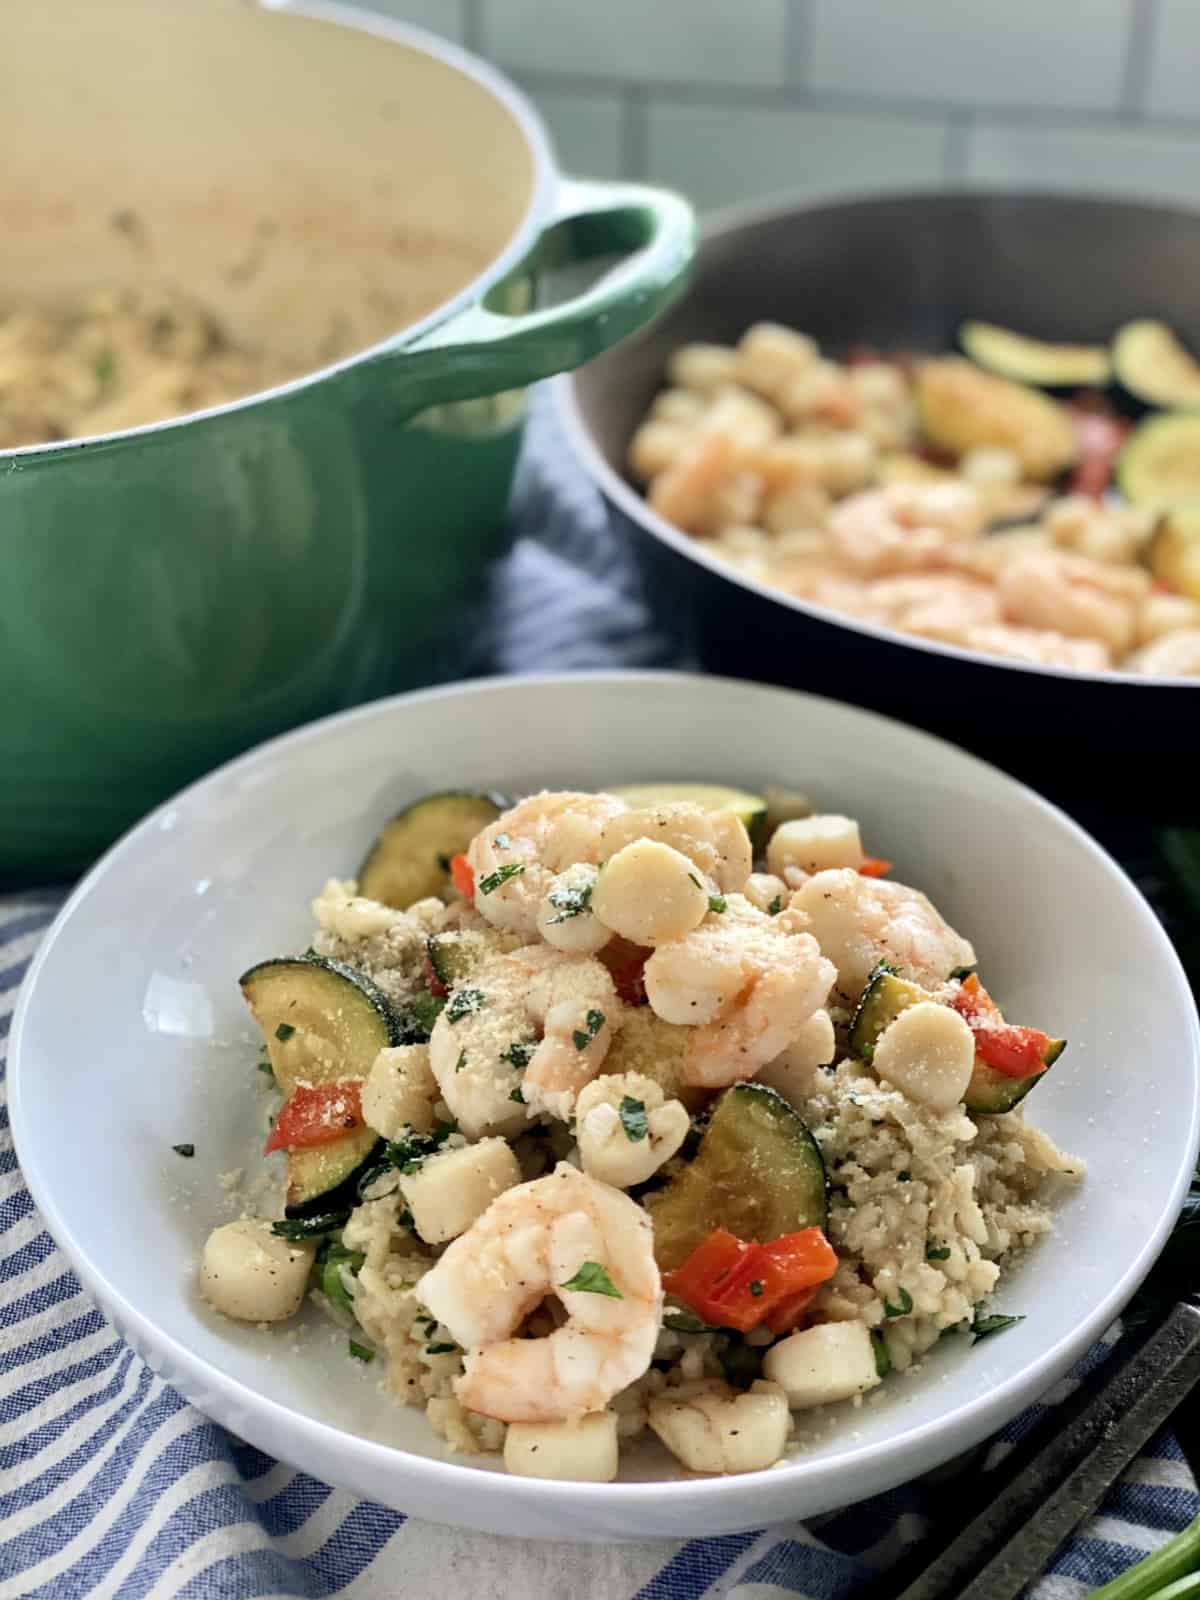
x: 173, y: 593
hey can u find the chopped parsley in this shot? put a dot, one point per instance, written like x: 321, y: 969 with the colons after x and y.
x: 461, y: 1062
x: 361, y: 1352
x: 503, y: 842
x: 592, y: 1279
x: 570, y: 903
x: 297, y: 1228
x: 463, y: 1002
x: 718, y: 903
x: 184, y: 1149
x: 904, y: 1177
x: 284, y: 1032
x: 776, y: 906
x: 983, y: 1326
x: 439, y: 1349
x: 867, y: 1053
x: 903, y: 1308
x: 883, y: 1362
x: 406, y: 1155
x: 937, y: 1252
x: 695, y: 880
x: 520, y: 1053
x: 582, y: 1038
x: 633, y: 1118
x: 105, y: 367
x: 516, y: 1096
x: 492, y: 882
x: 265, y: 1066
x: 331, y: 1259
x: 756, y: 1287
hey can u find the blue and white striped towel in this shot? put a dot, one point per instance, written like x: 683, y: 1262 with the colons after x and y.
x: 111, y: 1485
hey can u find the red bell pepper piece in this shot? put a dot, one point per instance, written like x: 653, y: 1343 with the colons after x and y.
x: 1015, y: 1051
x: 462, y: 876
x: 875, y: 867
x: 316, y: 1113
x: 733, y: 1284
x: 432, y: 982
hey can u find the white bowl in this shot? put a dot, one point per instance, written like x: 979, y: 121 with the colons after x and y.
x: 130, y: 1037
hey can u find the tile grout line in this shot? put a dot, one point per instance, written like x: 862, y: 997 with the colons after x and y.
x: 832, y: 102
x: 635, y: 133
x: 798, y: 31
x: 1144, y: 19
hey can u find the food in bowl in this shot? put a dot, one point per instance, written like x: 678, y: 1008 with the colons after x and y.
x: 656, y: 1108
x: 942, y: 497
x: 118, y: 358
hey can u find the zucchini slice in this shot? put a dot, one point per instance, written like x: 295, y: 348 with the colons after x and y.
x: 991, y: 1093
x: 1174, y: 553
x: 313, y: 1174
x: 414, y: 1021
x: 1160, y: 462
x: 1153, y: 368
x: 961, y: 406
x: 410, y: 859
x: 886, y: 995
x: 322, y: 1021
x: 751, y: 808
x: 1032, y: 361
x: 758, y: 1173
x: 459, y: 952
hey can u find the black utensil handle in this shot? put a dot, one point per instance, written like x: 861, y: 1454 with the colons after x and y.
x: 1018, y: 1514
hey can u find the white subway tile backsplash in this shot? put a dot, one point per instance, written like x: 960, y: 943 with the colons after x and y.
x: 1174, y: 82
x: 1053, y: 53
x: 439, y: 16
x: 1099, y: 160
x: 587, y: 129
x: 675, y: 40
x: 720, y: 154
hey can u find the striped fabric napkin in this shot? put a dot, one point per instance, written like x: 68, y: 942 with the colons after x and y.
x: 112, y: 1485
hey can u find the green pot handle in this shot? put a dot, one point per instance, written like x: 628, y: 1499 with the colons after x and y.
x: 483, y: 349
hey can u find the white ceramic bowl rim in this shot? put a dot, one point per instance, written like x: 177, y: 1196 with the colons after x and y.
x: 975, y: 1419
x: 545, y: 180
x: 639, y: 510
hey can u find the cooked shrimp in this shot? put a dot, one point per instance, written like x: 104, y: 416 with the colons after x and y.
x: 538, y: 1009
x: 515, y: 858
x: 608, y: 1148
x: 1073, y: 595
x: 683, y: 492
x: 1173, y: 655
x: 534, y: 1241
x: 937, y: 605
x: 715, y: 842
x: 573, y: 1000
x: 906, y: 527
x: 745, y: 983
x: 1040, y: 645
x: 859, y: 922
x: 1116, y: 534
